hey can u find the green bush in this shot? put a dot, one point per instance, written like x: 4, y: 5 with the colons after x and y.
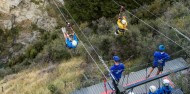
x: 33, y: 53
x: 17, y: 59
x: 5, y: 71
x: 37, y: 1
x: 53, y: 89
x: 59, y: 51
x: 34, y: 27
x: 83, y: 10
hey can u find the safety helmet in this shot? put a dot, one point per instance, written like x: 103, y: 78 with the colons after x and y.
x: 116, y: 58
x: 161, y: 47
x: 123, y: 21
x: 152, y: 89
x: 131, y: 93
x: 166, y: 82
x: 74, y: 43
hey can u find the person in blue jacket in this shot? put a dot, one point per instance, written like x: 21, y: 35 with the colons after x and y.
x: 166, y: 88
x: 116, y: 71
x: 71, y: 40
x: 159, y: 60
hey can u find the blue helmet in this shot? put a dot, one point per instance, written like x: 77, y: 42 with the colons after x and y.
x: 162, y: 47
x: 116, y: 58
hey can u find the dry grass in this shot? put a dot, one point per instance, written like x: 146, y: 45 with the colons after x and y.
x: 36, y: 81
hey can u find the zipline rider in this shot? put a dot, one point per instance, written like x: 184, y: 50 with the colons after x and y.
x: 70, y: 40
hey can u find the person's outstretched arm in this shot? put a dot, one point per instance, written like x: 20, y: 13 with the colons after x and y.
x: 65, y: 33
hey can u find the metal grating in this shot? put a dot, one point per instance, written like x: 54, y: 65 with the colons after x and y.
x: 134, y: 77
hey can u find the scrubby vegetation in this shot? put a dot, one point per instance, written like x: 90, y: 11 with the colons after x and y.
x: 46, y: 79
x: 98, y: 22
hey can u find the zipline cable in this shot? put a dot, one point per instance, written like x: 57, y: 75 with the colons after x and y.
x: 175, y: 29
x: 93, y: 47
x: 100, y: 58
x: 89, y: 52
x: 82, y: 43
x: 150, y: 26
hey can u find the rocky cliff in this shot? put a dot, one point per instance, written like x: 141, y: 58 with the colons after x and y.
x: 17, y: 11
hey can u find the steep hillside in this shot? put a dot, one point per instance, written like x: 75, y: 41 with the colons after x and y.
x: 52, y: 78
x: 34, y: 58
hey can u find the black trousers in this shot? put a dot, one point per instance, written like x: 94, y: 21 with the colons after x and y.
x: 115, y: 84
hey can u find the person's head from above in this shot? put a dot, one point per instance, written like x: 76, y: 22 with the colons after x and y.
x: 74, y: 42
x: 116, y: 59
x: 166, y: 82
x: 123, y: 22
x: 123, y: 17
x: 161, y: 48
x: 71, y: 37
x: 152, y: 89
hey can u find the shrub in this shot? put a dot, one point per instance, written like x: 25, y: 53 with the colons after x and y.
x: 37, y: 1
x: 34, y: 27
x: 17, y: 59
x: 53, y: 89
x: 33, y: 53
x: 59, y: 51
x: 5, y: 71
x: 92, y: 10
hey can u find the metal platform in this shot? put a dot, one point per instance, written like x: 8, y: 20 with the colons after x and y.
x: 135, y: 77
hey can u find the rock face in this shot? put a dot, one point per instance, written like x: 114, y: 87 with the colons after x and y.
x: 25, y: 14
x: 7, y: 24
x: 27, y: 10
x: 6, y: 5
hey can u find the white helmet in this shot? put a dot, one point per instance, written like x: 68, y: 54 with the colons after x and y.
x: 152, y: 89
x: 123, y: 21
x: 131, y: 93
x: 166, y: 82
x: 74, y: 43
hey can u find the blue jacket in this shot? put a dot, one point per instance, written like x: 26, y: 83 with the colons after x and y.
x: 165, y: 90
x: 69, y: 43
x: 117, y: 70
x: 152, y: 93
x: 160, y: 91
x: 160, y: 56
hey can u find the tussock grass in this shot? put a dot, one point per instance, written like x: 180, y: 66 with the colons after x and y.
x: 65, y: 77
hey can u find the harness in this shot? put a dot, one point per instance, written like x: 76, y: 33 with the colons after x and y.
x: 121, y: 31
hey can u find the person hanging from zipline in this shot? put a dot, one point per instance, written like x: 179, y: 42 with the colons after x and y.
x: 159, y: 60
x: 121, y: 23
x: 116, y: 70
x: 70, y: 39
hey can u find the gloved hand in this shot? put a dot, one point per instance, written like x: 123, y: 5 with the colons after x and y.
x: 160, y: 61
x: 63, y: 29
x: 118, y: 71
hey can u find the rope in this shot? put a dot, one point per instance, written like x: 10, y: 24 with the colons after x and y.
x: 82, y: 43
x: 150, y: 26
x: 100, y: 58
x: 92, y: 45
x: 175, y: 29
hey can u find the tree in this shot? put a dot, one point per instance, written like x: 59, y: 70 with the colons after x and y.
x: 87, y: 10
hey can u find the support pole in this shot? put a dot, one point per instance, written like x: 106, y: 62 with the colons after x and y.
x: 105, y: 86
